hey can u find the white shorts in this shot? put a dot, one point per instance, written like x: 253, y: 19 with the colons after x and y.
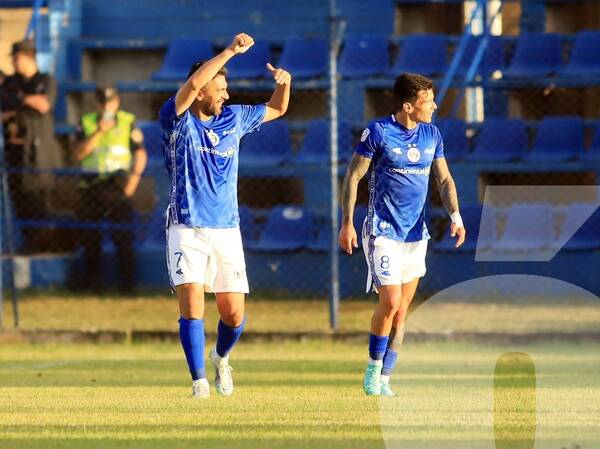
x: 391, y: 262
x: 213, y: 257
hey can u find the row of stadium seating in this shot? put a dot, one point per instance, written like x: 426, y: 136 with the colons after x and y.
x: 536, y: 55
x: 495, y: 140
x: 305, y: 58
x: 528, y: 227
x: 520, y: 227
x: 557, y: 139
x: 271, y: 146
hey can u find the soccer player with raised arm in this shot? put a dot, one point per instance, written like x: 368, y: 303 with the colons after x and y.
x: 402, y: 148
x: 201, y: 138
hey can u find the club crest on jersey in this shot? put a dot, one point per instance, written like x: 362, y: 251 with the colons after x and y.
x: 212, y: 136
x: 383, y: 225
x: 364, y: 135
x: 413, y: 153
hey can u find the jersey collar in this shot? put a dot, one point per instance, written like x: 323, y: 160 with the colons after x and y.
x: 410, y: 132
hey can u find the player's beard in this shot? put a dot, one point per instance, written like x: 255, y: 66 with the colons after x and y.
x: 218, y: 108
x: 211, y: 108
x: 426, y: 118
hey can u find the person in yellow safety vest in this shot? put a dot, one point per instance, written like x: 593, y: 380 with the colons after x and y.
x: 113, y: 159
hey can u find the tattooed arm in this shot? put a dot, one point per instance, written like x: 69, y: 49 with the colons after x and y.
x: 449, y: 196
x: 359, y: 165
x: 445, y: 185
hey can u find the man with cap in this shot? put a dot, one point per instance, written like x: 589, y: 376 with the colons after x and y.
x: 113, y: 159
x: 27, y: 99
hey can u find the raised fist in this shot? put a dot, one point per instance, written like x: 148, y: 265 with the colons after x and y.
x: 241, y: 43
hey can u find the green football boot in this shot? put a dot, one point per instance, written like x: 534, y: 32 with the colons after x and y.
x: 372, y: 380
x: 386, y: 390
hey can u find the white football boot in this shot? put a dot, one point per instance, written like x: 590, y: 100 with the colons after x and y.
x: 223, y: 379
x: 200, y: 389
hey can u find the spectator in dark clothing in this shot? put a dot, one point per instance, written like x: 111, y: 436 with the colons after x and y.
x: 31, y: 151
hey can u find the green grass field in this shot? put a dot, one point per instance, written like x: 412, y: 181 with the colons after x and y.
x: 293, y: 395
x: 159, y: 312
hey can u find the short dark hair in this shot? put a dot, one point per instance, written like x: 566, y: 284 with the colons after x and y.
x: 408, y: 86
x: 27, y: 46
x: 196, y: 65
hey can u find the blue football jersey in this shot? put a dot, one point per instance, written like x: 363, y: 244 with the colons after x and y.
x: 202, y: 159
x: 399, y: 177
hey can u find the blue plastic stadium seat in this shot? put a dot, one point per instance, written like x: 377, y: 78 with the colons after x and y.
x: 304, y: 58
x: 585, y: 57
x: 181, y: 54
x: 248, y: 226
x: 529, y: 227
x: 152, y: 142
x: 587, y: 236
x: 454, y: 135
x: 537, y: 55
x: 593, y: 153
x: 287, y: 229
x: 364, y: 56
x: 322, y: 241
x: 269, y: 146
x: 315, y: 146
x: 422, y: 53
x: 500, y: 140
x: 471, y: 216
x: 492, y: 60
x: 558, y: 139
x: 250, y: 64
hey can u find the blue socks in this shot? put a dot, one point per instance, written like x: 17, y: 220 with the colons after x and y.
x: 379, y: 349
x: 377, y: 346
x: 227, y: 337
x: 389, y: 361
x: 191, y: 334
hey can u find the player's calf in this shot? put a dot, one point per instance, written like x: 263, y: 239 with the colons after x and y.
x: 227, y: 337
x: 372, y: 379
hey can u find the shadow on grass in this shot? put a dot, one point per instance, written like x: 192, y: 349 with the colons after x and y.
x: 204, y: 443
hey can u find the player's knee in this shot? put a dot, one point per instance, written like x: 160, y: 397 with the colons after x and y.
x: 191, y: 302
x: 400, y: 316
x: 191, y: 311
x: 233, y: 318
x: 391, y: 306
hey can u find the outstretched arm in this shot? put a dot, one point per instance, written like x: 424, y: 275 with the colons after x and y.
x: 278, y: 103
x: 449, y: 197
x: 359, y: 165
x: 190, y: 89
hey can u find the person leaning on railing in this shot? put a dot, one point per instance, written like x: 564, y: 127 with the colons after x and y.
x: 113, y: 159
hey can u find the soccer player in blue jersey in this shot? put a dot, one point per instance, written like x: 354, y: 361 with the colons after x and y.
x: 201, y: 139
x: 403, y: 148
